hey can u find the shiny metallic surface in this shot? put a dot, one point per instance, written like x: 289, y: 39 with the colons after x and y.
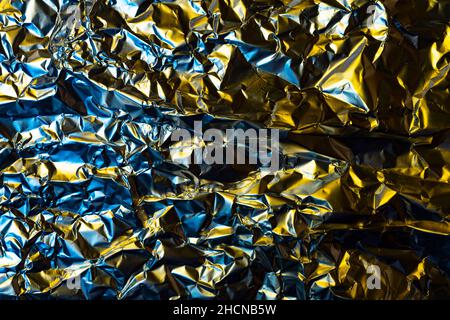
x: 91, y: 90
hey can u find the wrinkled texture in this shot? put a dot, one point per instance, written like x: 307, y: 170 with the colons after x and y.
x: 91, y: 90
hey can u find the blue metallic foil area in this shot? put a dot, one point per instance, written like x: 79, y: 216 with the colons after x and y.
x: 91, y: 91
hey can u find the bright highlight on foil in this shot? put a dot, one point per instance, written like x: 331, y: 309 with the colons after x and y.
x: 347, y: 196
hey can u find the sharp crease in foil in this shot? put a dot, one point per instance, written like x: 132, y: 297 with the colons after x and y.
x: 90, y: 189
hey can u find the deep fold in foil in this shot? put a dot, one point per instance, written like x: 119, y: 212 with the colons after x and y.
x: 91, y: 90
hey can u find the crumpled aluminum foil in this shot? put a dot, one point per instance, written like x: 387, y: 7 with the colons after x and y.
x: 91, y: 90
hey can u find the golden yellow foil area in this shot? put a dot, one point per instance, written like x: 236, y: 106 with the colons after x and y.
x: 90, y: 186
